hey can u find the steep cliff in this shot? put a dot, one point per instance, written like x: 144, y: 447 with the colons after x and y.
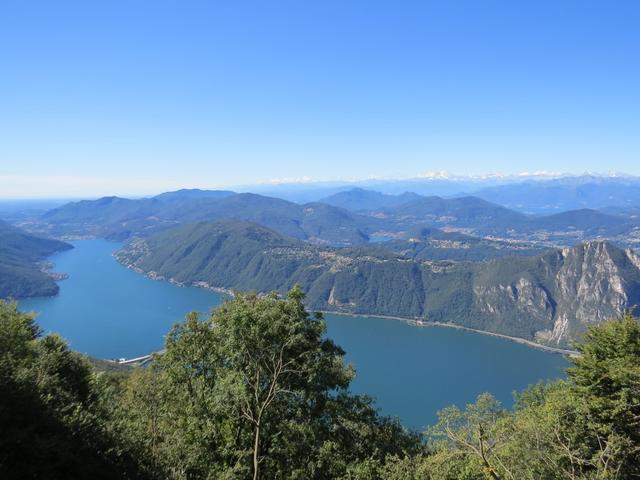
x: 594, y: 281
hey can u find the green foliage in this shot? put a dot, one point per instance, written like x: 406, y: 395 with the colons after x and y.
x: 583, y: 428
x: 51, y: 417
x: 606, y: 379
x: 255, y: 391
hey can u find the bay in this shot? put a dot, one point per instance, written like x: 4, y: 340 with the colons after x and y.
x: 108, y: 311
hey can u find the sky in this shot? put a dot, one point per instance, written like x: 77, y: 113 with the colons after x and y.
x: 137, y: 97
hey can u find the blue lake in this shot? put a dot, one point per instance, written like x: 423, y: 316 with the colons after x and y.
x: 109, y: 311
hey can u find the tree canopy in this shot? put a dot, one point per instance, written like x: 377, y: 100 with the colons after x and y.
x: 53, y: 421
x: 257, y: 391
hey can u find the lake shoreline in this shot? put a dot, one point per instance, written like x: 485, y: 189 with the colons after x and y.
x: 427, y: 324
x: 408, y: 320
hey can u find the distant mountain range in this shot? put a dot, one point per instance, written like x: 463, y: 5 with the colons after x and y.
x: 470, y: 213
x: 562, y: 194
x: 21, y: 271
x: 474, y: 215
x: 120, y: 218
x: 428, y: 184
x: 542, y: 193
x: 548, y: 297
x: 343, y: 219
x: 361, y: 200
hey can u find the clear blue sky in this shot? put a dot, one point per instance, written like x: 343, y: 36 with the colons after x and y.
x: 138, y: 96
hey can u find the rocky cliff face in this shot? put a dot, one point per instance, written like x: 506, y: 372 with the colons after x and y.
x: 521, y: 300
x: 596, y: 281
x: 565, y: 291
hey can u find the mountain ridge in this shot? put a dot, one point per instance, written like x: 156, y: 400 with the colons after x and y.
x: 360, y: 199
x: 119, y: 218
x: 316, y: 222
x: 549, y: 298
x: 21, y: 271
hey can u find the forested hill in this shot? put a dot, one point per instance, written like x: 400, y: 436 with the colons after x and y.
x: 21, y: 273
x: 366, y: 214
x: 479, y: 217
x: 121, y: 218
x: 361, y: 200
x: 435, y: 244
x: 548, y: 297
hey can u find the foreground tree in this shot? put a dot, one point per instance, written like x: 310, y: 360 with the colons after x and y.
x: 257, y: 391
x: 475, y: 434
x: 584, y: 428
x: 606, y: 383
x: 52, y: 424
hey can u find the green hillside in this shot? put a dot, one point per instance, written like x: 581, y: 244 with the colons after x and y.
x: 21, y: 274
x: 481, y: 218
x: 434, y: 244
x: 536, y: 297
x: 467, y: 212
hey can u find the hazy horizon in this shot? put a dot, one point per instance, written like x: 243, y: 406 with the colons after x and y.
x: 488, y: 179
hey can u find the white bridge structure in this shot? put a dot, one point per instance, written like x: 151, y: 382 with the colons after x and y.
x: 143, y: 360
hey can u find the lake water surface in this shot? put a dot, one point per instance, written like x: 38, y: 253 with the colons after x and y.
x: 109, y: 311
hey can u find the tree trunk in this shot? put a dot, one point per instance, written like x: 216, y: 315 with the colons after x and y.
x: 256, y: 450
x: 485, y: 462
